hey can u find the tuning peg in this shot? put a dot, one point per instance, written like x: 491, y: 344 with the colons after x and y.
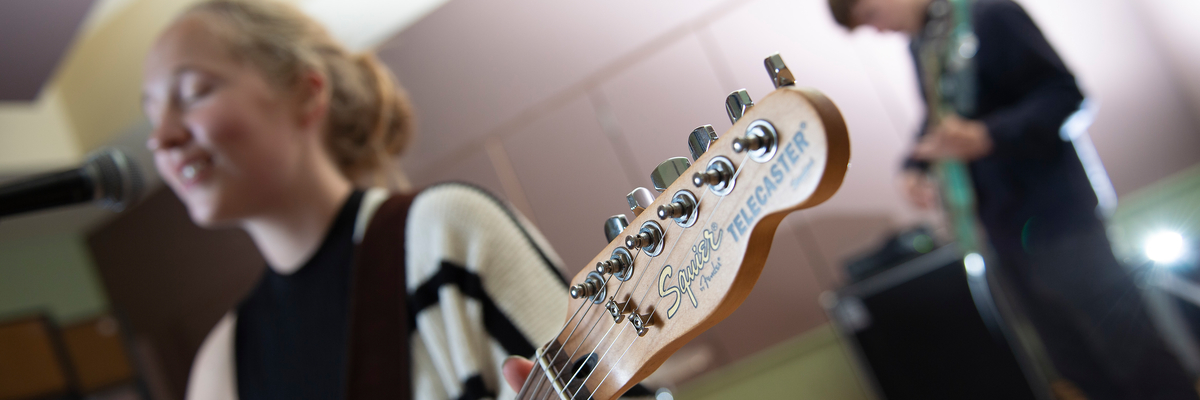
x: 718, y: 176
x: 666, y: 173
x: 760, y: 141
x: 620, y: 264
x: 639, y: 199
x: 649, y: 239
x: 737, y: 103
x: 780, y: 74
x: 591, y: 287
x: 682, y: 208
x: 614, y: 225
x: 700, y: 140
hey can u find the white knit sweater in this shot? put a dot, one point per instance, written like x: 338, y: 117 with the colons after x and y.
x: 483, y: 280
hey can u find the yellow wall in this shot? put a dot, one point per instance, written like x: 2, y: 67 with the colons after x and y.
x: 35, y: 136
x: 100, y: 80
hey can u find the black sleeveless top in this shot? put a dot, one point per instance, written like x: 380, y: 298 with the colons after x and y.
x: 292, y: 330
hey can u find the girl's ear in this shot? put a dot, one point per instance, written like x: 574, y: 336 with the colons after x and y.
x: 312, y: 97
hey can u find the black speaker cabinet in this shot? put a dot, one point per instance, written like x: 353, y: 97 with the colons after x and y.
x: 929, y: 329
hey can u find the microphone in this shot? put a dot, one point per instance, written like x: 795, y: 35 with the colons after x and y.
x: 108, y: 177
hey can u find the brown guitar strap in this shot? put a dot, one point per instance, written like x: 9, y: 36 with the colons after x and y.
x: 378, y: 363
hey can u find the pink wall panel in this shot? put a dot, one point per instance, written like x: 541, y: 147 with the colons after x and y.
x: 472, y: 166
x: 822, y: 57
x: 1174, y: 24
x: 1146, y: 128
x: 659, y: 100
x: 571, y: 174
x: 472, y: 65
x: 783, y: 303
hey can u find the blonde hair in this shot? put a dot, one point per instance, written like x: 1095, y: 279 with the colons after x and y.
x: 370, y: 119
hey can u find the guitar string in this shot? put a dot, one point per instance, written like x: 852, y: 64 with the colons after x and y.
x: 590, y: 305
x: 610, y: 346
x: 703, y: 195
x: 610, y: 370
x: 550, y: 362
x: 630, y: 346
x: 606, y: 333
x: 623, y: 307
x: 599, y: 317
x: 721, y: 199
x: 736, y: 174
x: 600, y: 342
x: 560, y: 331
x: 628, y: 303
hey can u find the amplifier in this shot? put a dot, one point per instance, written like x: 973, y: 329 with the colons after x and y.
x: 928, y: 329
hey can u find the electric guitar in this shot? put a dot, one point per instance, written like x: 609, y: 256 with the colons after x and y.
x: 672, y: 273
x: 947, y: 50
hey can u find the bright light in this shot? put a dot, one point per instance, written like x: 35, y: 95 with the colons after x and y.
x: 974, y: 264
x: 1164, y: 247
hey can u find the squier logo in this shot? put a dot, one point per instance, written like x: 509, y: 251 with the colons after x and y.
x: 701, y: 255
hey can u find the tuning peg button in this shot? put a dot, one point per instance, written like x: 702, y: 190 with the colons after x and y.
x: 778, y: 71
x: 736, y: 104
x: 620, y: 264
x: 649, y: 239
x: 639, y: 199
x: 614, y: 225
x: 592, y: 287
x: 668, y: 171
x: 700, y: 140
x: 718, y: 176
x: 760, y: 141
x: 682, y: 209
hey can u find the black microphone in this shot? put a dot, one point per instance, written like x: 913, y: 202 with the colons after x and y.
x: 108, y: 177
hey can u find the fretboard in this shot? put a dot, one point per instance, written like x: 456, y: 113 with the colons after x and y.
x: 551, y: 377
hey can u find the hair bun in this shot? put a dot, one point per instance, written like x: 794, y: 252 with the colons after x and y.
x: 393, y: 128
x: 370, y: 119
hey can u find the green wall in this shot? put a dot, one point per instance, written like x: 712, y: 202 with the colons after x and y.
x: 49, y: 273
x: 815, y: 365
x: 1172, y: 203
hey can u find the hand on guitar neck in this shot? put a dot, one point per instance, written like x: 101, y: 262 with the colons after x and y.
x: 955, y: 138
x: 920, y: 191
x: 516, y: 371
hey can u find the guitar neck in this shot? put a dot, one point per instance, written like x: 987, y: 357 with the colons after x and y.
x: 958, y: 199
x: 538, y: 386
x: 549, y: 377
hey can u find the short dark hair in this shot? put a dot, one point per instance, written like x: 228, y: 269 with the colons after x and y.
x: 841, y: 10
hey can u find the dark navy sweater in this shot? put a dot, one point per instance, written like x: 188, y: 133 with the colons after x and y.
x: 1032, y: 178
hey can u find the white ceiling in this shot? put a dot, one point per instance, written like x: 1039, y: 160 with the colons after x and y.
x: 364, y: 24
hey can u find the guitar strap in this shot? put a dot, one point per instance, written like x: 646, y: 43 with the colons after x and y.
x: 378, y: 362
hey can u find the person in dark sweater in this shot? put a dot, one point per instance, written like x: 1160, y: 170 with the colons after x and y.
x: 1034, y: 200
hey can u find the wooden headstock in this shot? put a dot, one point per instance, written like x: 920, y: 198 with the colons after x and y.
x: 693, y: 256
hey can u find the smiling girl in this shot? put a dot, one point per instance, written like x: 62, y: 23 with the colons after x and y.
x: 263, y: 122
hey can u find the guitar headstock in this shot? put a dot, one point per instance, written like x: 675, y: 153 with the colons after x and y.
x: 694, y: 254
